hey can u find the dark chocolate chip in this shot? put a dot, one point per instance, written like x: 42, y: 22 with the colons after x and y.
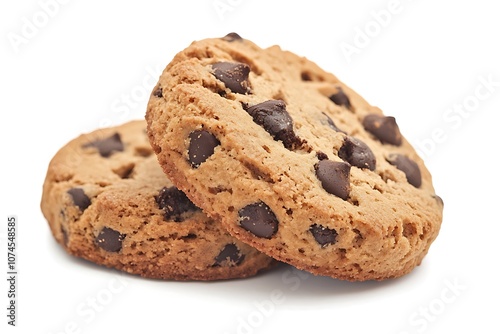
x: 357, y: 153
x: 174, y: 202
x: 275, y: 119
x: 383, y: 128
x: 108, y: 145
x: 341, y: 99
x: 323, y: 235
x: 79, y: 198
x: 438, y: 199
x: 158, y: 92
x: 321, y: 155
x: 233, y: 75
x: 65, y: 235
x: 408, y: 166
x: 232, y: 36
x: 331, y: 124
x: 334, y: 177
x: 259, y: 219
x: 201, y: 146
x: 230, y: 256
x: 110, y: 240
x: 305, y: 76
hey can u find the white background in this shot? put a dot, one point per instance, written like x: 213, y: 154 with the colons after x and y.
x: 72, y: 66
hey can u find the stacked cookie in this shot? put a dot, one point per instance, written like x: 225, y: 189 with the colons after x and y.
x: 281, y: 155
x: 108, y: 201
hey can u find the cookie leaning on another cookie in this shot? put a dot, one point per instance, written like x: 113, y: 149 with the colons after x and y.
x: 107, y: 200
x: 292, y: 161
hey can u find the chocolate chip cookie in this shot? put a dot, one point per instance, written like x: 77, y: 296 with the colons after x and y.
x: 108, y: 201
x: 292, y: 160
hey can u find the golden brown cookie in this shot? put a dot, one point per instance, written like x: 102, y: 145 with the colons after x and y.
x: 292, y: 161
x: 107, y: 200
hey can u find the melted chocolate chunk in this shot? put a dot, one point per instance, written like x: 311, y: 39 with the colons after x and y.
x: 232, y: 36
x: 408, y: 166
x: 201, y: 146
x: 331, y: 124
x: 383, y: 128
x: 341, y: 99
x: 334, y: 177
x: 79, y: 198
x: 275, y: 119
x: 233, y: 75
x: 107, y: 146
x: 158, y: 92
x: 174, y: 202
x: 230, y: 256
x: 323, y: 235
x: 357, y: 153
x: 110, y: 240
x: 259, y: 219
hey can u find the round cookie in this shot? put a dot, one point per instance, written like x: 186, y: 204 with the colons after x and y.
x: 292, y: 161
x: 108, y: 201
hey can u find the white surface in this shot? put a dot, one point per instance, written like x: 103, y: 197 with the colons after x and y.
x: 93, y: 63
